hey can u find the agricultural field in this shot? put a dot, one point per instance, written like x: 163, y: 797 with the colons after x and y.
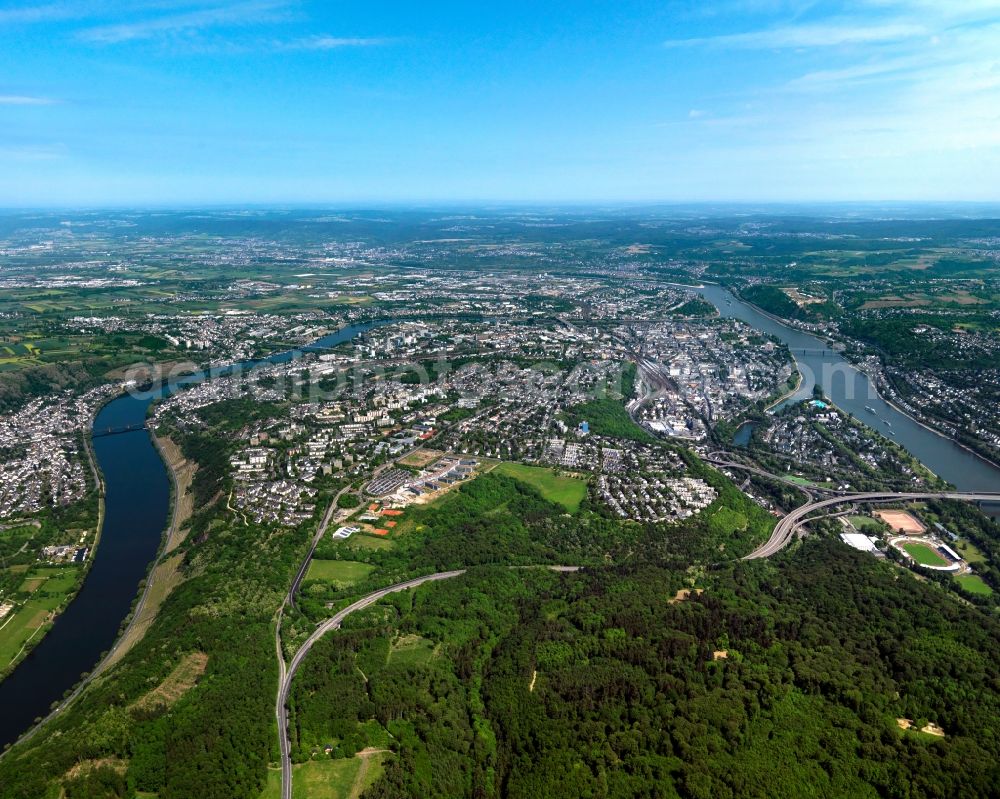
x: 47, y: 589
x: 563, y: 490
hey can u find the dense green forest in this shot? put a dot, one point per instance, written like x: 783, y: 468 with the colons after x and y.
x: 216, y: 739
x: 773, y: 300
x: 778, y: 679
x: 608, y: 417
x: 497, y: 519
x: 895, y: 338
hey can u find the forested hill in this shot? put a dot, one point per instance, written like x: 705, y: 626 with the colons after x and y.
x: 779, y: 680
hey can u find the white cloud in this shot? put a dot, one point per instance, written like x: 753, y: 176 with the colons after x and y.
x: 854, y: 74
x: 21, y: 99
x: 32, y: 152
x: 831, y: 34
x: 332, y: 43
x: 40, y: 13
x: 24, y: 15
x: 232, y: 15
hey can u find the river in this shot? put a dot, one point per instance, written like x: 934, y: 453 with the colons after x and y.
x: 852, y: 391
x: 136, y: 508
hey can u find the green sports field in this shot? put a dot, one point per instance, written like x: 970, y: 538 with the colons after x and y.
x: 924, y: 555
x: 566, y: 491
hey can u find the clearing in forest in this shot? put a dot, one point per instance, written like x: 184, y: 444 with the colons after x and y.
x: 560, y: 489
x: 181, y: 680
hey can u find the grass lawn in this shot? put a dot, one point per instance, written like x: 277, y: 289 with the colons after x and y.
x: 974, y: 584
x: 924, y: 555
x: 412, y: 650
x: 325, y: 779
x: 566, y: 491
x: 369, y: 774
x: 969, y: 551
x: 727, y: 521
x: 360, y: 541
x: 342, y: 573
x: 866, y: 524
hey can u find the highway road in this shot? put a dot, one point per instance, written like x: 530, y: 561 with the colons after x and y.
x: 290, y: 596
x: 288, y: 673
x: 323, y: 525
x: 787, y: 526
x: 723, y: 463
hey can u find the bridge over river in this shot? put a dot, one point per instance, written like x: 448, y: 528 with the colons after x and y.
x: 117, y: 431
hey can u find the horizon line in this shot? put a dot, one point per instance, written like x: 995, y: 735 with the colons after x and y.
x: 374, y: 204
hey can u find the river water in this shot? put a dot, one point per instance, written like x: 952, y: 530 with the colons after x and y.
x: 853, y: 392
x: 136, y: 505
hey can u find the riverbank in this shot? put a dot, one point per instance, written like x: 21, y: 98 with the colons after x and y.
x: 43, y: 613
x: 852, y: 390
x: 122, y: 642
x: 876, y: 380
x: 165, y: 574
x: 130, y: 578
x: 788, y: 394
x: 791, y: 324
x: 889, y: 399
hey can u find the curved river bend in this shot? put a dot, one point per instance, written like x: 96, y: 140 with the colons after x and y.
x: 852, y: 391
x: 136, y: 508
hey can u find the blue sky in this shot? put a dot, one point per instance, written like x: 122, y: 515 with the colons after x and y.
x: 255, y: 101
